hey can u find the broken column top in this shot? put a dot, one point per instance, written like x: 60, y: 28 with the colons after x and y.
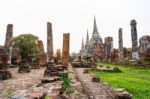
x: 145, y: 37
x: 120, y: 29
x: 133, y: 23
x: 108, y: 39
x: 49, y: 27
x: 9, y: 29
x: 49, y: 23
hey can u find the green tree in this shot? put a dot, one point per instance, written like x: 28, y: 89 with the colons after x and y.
x: 27, y: 44
x: 73, y: 55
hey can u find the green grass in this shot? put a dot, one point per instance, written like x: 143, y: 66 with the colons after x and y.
x: 134, y: 80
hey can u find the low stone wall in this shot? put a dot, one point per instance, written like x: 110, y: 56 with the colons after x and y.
x: 83, y: 65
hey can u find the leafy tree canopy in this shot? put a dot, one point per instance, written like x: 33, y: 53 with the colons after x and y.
x: 27, y: 44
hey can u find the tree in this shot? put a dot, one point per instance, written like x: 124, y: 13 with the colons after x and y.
x: 73, y: 55
x: 27, y: 45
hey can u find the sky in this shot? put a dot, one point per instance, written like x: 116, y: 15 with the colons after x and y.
x: 74, y: 17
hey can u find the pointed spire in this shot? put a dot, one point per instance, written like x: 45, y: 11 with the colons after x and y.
x: 87, y: 38
x: 95, y: 30
x: 82, y: 46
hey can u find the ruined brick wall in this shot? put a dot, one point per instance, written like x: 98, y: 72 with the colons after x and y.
x: 1, y: 54
x: 16, y: 57
x: 147, y: 55
x: 98, y: 51
x: 65, y: 49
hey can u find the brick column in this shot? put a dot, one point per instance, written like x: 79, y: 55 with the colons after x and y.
x: 65, y: 49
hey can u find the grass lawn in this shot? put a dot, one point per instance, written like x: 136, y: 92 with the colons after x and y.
x: 136, y: 81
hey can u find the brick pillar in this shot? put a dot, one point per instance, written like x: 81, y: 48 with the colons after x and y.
x: 58, y: 54
x: 108, y: 47
x: 65, y: 49
x: 135, y: 54
x: 42, y: 56
x: 120, y: 45
x: 49, y: 43
x: 8, y: 43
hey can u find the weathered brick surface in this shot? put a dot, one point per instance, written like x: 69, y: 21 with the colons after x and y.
x: 58, y: 54
x: 144, y: 43
x: 42, y: 56
x: 108, y: 47
x: 120, y: 45
x: 65, y: 51
x: 134, y: 36
x: 8, y: 42
x: 95, y: 90
x: 50, y: 42
x: 20, y: 81
x: 115, y: 56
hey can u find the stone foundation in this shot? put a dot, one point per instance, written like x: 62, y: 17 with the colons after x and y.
x: 35, y: 66
x: 4, y: 74
x: 122, y: 94
x: 52, y: 70
x: 24, y: 68
x: 83, y: 65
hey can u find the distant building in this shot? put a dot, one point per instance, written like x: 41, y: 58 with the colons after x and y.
x: 93, y: 47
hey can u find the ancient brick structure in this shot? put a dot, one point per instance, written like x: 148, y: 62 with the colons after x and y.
x: 8, y: 43
x: 25, y: 67
x: 49, y: 43
x: 4, y: 74
x: 86, y: 47
x: 115, y: 56
x: 1, y: 54
x: 58, y: 54
x: 82, y: 49
x: 135, y: 54
x: 134, y: 35
x: 16, y: 57
x: 108, y: 47
x: 89, y: 50
x: 120, y: 44
x: 127, y: 55
x: 144, y: 43
x: 57, y: 58
x: 42, y: 56
x: 65, y: 49
x: 98, y: 52
x: 147, y: 55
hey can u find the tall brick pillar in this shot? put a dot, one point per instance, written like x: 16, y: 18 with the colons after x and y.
x: 8, y: 43
x: 42, y: 56
x: 65, y: 49
x: 49, y: 43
